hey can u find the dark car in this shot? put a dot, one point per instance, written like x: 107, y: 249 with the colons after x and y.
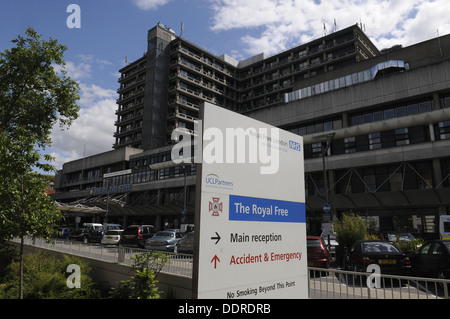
x: 81, y: 234
x: 432, y: 260
x: 317, y: 252
x: 136, y: 235
x: 95, y: 236
x: 64, y: 232
x: 383, y: 253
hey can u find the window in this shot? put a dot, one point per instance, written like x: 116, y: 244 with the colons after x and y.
x: 367, y: 118
x: 425, y: 107
x: 412, y: 109
x: 444, y: 130
x: 374, y: 141
x: 389, y: 114
x: 349, y: 145
x: 401, y: 137
x: 400, y: 111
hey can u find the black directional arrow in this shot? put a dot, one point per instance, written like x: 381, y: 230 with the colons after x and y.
x: 217, y: 238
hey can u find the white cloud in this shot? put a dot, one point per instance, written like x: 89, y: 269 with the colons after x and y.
x: 93, y: 129
x: 150, y: 4
x: 274, y: 26
x: 78, y: 71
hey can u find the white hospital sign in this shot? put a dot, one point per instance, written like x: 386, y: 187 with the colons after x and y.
x: 250, y: 210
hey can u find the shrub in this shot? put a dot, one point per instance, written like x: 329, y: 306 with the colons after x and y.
x: 45, y: 277
x: 143, y: 284
x: 349, y: 229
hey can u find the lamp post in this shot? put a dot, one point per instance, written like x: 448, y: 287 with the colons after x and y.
x: 327, y: 139
x: 184, y: 166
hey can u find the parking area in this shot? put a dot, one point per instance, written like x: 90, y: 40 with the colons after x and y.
x: 328, y: 283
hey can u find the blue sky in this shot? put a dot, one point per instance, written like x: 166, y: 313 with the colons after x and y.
x: 113, y: 29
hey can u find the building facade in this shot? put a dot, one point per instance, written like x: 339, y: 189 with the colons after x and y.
x: 386, y: 115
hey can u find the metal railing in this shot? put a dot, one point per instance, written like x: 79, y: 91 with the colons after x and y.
x: 341, y: 284
x: 323, y: 283
x: 179, y: 264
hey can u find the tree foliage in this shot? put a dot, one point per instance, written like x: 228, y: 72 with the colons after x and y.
x: 349, y: 229
x: 33, y: 98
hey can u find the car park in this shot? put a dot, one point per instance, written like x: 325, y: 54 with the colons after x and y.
x: 383, y: 253
x: 186, y: 244
x: 432, y: 260
x: 317, y: 253
x: 164, y: 240
x: 136, y: 235
x: 112, y: 237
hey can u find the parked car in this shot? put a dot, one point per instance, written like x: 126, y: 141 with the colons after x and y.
x: 95, y: 236
x: 400, y: 237
x: 186, y: 244
x: 332, y: 243
x: 164, y: 240
x: 112, y: 237
x: 317, y: 252
x: 383, y: 253
x: 136, y: 235
x: 112, y: 227
x: 432, y: 260
x: 93, y: 226
x: 80, y: 234
x: 64, y: 232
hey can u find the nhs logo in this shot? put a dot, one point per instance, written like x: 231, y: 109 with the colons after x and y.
x: 295, y: 146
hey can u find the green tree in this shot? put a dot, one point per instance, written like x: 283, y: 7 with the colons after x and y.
x: 33, y: 98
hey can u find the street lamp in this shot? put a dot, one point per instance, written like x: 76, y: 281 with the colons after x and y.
x: 184, y: 166
x: 328, y: 139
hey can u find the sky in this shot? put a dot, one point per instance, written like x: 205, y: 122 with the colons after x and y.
x: 110, y: 31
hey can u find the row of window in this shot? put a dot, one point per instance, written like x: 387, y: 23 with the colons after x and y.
x: 394, y: 177
x: 378, y: 140
x: 391, y: 112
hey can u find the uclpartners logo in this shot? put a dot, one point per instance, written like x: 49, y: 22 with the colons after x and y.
x: 213, y: 180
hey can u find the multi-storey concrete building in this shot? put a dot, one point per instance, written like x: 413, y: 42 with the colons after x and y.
x: 388, y: 113
x: 164, y: 88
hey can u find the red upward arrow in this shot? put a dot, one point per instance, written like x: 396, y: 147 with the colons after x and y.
x: 215, y: 259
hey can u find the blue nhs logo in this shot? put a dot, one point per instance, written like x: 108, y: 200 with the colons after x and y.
x: 295, y: 146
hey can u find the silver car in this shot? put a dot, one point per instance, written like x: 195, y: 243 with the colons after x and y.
x: 164, y: 240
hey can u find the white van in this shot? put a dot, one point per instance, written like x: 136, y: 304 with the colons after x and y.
x: 93, y: 226
x: 444, y: 226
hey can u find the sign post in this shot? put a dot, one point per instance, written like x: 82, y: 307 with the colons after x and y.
x: 250, y: 210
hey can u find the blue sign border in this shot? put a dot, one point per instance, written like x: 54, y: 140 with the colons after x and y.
x: 255, y: 209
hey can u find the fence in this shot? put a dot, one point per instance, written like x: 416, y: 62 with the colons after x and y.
x: 179, y: 264
x: 323, y: 283
x: 340, y: 284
